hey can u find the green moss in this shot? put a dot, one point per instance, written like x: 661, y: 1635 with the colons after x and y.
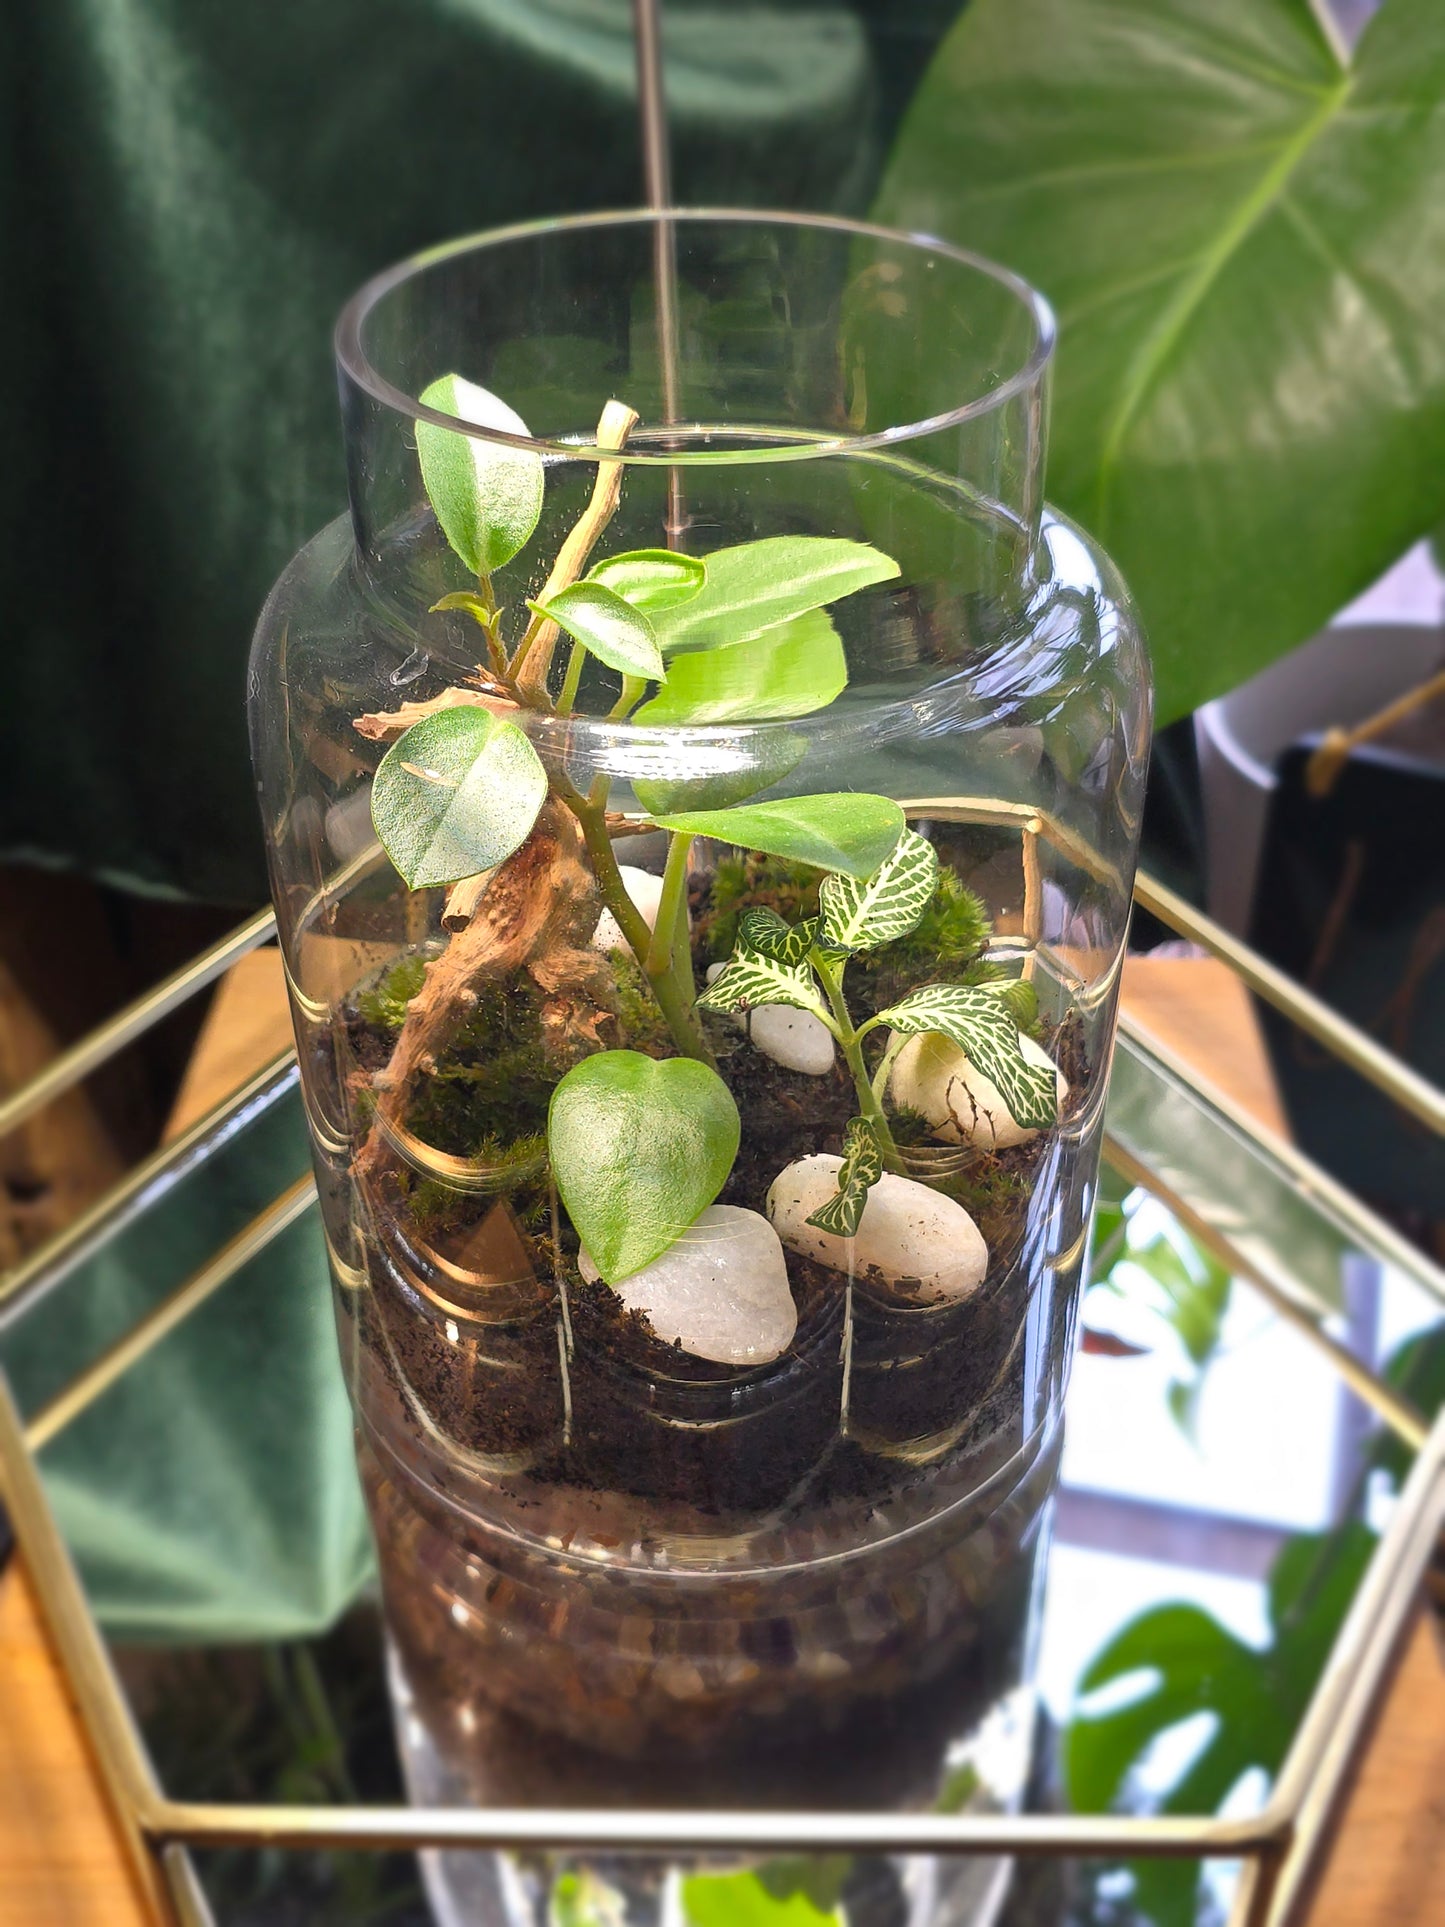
x: 643, y: 1026
x: 519, y: 1173
x: 494, y: 1084
x: 385, y: 1003
x: 748, y: 882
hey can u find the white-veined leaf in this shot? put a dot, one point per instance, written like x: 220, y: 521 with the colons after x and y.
x: 974, y: 1018
x: 749, y: 978
x: 862, y: 1167
x: 885, y: 906
x: 770, y: 936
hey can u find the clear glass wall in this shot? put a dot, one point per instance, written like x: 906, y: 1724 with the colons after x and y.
x: 818, y: 1541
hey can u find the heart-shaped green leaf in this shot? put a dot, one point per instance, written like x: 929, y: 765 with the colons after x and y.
x: 842, y: 831
x: 757, y: 585
x: 887, y: 905
x: 639, y: 1148
x: 971, y: 1016
x: 790, y: 670
x: 1244, y: 239
x: 458, y: 793
x: 486, y: 496
x: 651, y: 579
x: 609, y: 626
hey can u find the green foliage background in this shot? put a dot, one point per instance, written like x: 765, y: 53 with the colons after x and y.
x: 1242, y: 231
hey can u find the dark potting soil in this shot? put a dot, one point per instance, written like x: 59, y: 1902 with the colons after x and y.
x: 636, y: 1415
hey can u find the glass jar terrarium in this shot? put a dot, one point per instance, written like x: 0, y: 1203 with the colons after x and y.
x: 701, y: 783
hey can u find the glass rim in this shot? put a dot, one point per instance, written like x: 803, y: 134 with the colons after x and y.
x: 355, y: 364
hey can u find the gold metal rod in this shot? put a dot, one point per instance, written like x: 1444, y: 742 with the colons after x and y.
x: 162, y: 1319
x: 188, y: 1896
x: 657, y: 185
x: 1258, y: 1880
x: 637, y: 1830
x: 1292, y: 1301
x: 125, y: 1771
x: 58, y: 1257
x: 111, y: 1037
x: 1332, y: 1198
x: 1335, y: 1726
x: 1378, y: 1066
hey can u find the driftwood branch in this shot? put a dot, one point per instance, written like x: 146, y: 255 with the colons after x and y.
x: 534, y: 653
x: 536, y: 915
x: 384, y: 726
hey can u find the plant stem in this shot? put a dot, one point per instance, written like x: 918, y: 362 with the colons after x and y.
x: 674, y: 893
x: 533, y: 657
x: 674, y: 997
x: 830, y: 975
x: 572, y: 679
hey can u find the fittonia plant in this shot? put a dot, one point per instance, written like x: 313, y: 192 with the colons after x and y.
x: 641, y: 1146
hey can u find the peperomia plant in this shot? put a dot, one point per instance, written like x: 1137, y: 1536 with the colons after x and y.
x: 640, y: 1146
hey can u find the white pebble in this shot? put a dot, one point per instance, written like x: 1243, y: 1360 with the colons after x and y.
x: 721, y: 1292
x: 912, y: 1236
x: 645, y: 891
x: 796, y: 1039
x: 932, y: 1076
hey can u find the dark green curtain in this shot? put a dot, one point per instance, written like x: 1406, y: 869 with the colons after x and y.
x: 193, y: 188
x: 191, y: 191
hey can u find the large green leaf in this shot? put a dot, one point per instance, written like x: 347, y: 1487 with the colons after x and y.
x: 789, y: 670
x: 757, y: 585
x: 1245, y: 244
x: 486, y: 496
x: 457, y: 794
x: 639, y: 1147
x: 614, y: 631
x: 840, y: 831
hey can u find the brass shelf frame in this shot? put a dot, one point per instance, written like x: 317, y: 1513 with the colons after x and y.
x: 1276, y: 1846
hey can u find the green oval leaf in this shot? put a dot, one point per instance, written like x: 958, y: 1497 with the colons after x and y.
x: 790, y: 670
x: 721, y: 774
x: 458, y: 793
x: 885, y: 906
x: 1246, y: 252
x: 639, y: 1147
x: 608, y: 626
x: 975, y: 1019
x: 845, y: 831
x: 487, y: 497
x: 651, y: 579
x: 757, y: 585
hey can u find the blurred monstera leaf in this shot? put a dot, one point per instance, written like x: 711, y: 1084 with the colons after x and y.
x: 1184, y: 1663
x: 1243, y: 234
